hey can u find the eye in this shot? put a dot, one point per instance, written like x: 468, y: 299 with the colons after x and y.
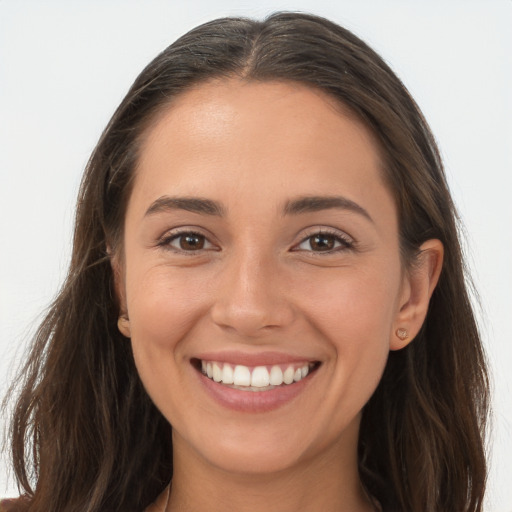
x: 324, y: 242
x: 187, y: 241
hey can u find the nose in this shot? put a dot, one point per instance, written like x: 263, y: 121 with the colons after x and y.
x: 252, y: 297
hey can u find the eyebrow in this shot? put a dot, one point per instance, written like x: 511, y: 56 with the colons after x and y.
x: 305, y: 204
x: 191, y: 204
x: 308, y: 204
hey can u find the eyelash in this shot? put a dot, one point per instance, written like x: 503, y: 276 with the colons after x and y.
x: 344, y: 242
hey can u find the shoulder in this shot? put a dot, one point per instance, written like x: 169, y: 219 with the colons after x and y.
x: 12, y: 505
x: 6, y: 505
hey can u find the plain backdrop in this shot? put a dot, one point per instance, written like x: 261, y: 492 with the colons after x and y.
x: 65, y: 65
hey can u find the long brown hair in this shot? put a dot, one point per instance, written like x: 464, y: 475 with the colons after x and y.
x: 85, y: 435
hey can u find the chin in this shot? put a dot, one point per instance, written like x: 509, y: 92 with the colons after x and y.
x: 251, y: 460
x: 269, y: 448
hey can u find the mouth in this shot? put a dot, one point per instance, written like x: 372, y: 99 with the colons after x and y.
x: 255, y: 378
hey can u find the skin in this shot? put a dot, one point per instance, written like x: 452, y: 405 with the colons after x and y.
x: 258, y: 284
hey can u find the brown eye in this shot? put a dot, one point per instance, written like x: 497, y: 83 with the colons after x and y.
x: 189, y: 242
x: 323, y: 242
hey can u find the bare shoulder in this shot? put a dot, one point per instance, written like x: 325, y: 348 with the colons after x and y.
x: 13, y: 505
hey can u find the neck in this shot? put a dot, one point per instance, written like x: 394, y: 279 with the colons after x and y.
x: 329, y: 481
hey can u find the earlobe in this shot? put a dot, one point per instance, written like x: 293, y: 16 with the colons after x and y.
x: 123, y: 324
x: 419, y: 284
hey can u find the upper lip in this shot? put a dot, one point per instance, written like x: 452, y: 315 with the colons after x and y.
x: 258, y: 359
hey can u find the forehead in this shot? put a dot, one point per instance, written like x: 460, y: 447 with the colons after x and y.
x: 224, y: 107
x: 281, y: 136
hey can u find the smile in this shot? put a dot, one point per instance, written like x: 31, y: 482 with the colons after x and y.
x: 254, y: 383
x: 257, y: 378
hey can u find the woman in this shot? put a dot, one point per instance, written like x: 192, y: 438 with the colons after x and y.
x: 266, y: 258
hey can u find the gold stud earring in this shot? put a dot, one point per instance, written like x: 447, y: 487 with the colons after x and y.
x: 402, y: 333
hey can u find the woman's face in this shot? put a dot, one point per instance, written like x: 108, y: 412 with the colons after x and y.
x: 260, y: 247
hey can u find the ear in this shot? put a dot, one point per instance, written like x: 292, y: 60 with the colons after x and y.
x: 417, y: 288
x: 123, y: 322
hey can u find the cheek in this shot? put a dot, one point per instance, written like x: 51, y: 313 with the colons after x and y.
x: 353, y: 305
x: 164, y: 309
x: 162, y: 304
x: 354, y: 315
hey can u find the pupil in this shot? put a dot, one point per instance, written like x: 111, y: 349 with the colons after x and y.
x: 322, y: 242
x: 191, y: 242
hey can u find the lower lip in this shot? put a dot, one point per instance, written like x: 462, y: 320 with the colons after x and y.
x: 254, y: 401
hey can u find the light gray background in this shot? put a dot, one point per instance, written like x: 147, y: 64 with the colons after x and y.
x: 65, y: 65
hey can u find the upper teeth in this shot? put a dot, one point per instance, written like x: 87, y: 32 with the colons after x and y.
x: 258, y: 377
